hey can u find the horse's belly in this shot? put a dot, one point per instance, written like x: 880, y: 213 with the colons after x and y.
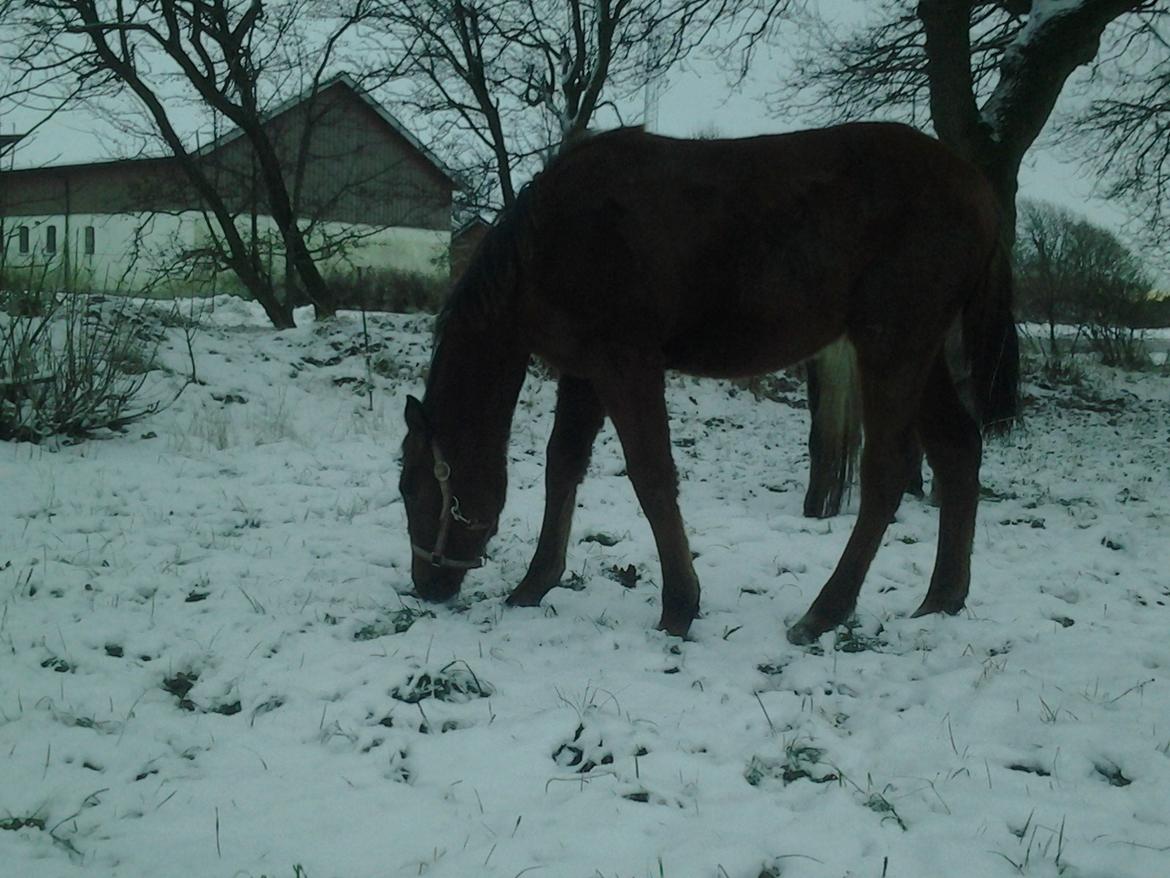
x: 735, y: 348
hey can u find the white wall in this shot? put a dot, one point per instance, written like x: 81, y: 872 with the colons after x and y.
x: 143, y: 252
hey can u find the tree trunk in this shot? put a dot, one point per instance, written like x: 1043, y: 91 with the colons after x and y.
x: 1032, y: 74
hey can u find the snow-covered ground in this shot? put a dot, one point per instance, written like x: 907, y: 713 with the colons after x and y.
x: 210, y: 664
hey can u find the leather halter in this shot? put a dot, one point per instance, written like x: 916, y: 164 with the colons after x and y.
x: 450, y: 512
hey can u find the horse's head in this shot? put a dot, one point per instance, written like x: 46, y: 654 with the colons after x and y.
x: 446, y: 539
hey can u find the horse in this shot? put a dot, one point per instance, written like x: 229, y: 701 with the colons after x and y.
x: 632, y: 254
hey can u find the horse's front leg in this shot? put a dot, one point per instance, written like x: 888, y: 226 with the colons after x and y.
x: 635, y: 403
x: 579, y: 416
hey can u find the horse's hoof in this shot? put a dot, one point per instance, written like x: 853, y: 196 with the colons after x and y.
x: 806, y: 632
x: 802, y: 635
x: 519, y: 599
x: 676, y: 626
x: 951, y: 608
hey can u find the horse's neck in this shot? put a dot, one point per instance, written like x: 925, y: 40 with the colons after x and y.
x: 474, y: 383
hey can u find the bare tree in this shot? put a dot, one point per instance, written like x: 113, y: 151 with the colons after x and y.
x: 1072, y: 272
x: 1041, y: 273
x: 986, y: 74
x: 1125, y: 132
x: 519, y: 79
x: 233, y: 57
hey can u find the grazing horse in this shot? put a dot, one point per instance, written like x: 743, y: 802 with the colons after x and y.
x: 632, y: 254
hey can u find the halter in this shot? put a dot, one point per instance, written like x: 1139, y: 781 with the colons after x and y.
x: 450, y: 512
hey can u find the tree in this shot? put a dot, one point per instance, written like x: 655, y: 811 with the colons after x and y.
x: 987, y: 74
x: 1125, y: 131
x: 1042, y: 272
x: 519, y: 79
x: 1070, y: 271
x: 231, y: 56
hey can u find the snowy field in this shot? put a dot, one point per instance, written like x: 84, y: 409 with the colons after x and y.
x: 211, y: 665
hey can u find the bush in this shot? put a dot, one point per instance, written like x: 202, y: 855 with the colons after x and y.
x: 387, y: 290
x: 72, y: 366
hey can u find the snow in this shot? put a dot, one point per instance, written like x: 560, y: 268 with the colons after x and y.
x: 200, y: 672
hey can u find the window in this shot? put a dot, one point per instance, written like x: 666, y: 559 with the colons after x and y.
x: 90, y: 238
x: 50, y: 239
x: 22, y: 239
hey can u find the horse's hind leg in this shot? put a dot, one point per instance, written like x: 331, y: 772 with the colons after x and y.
x: 954, y: 448
x: 579, y: 416
x: 889, y: 407
x: 635, y: 403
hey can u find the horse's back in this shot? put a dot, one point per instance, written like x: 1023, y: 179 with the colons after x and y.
x: 737, y: 256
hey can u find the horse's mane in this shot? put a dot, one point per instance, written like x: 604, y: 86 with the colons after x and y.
x: 492, y: 276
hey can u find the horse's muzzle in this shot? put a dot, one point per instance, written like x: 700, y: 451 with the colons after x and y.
x: 433, y: 583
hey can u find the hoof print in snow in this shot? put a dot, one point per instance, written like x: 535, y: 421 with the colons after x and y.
x: 1113, y: 774
x: 114, y: 651
x: 57, y: 664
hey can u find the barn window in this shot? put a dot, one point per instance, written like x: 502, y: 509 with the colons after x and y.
x: 22, y: 239
x: 90, y: 238
x: 50, y: 239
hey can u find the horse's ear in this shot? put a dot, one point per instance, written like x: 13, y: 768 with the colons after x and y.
x: 416, y: 418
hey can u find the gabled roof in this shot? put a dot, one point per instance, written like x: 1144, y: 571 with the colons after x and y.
x: 343, y: 79
x: 348, y: 82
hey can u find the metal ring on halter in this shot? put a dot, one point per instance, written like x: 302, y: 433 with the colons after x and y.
x: 450, y: 512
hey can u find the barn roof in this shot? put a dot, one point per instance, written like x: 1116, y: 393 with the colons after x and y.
x: 342, y: 79
x: 347, y: 81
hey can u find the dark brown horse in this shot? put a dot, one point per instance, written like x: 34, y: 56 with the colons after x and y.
x: 633, y: 254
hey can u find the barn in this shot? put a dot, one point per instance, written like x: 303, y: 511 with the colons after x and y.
x: 371, y: 197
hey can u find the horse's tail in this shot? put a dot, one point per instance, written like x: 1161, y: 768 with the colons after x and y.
x: 834, y: 440
x: 992, y: 349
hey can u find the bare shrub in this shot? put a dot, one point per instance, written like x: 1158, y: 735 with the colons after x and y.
x: 1070, y: 272
x: 402, y: 292
x: 75, y: 367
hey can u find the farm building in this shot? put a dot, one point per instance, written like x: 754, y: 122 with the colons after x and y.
x: 371, y: 197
